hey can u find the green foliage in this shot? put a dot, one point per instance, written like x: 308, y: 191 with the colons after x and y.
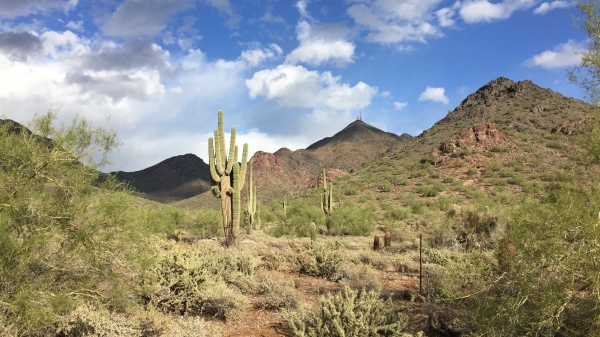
x: 352, y: 220
x: 552, y: 284
x: 56, y: 221
x: 366, y: 197
x: 397, y: 213
x: 350, y: 314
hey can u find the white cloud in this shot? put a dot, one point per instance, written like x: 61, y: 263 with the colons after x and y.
x: 434, y: 94
x: 75, y: 25
x: 320, y: 45
x: 254, y: 57
x: 474, y: 11
x: 400, y: 105
x: 297, y: 87
x: 444, y: 16
x: 548, y: 6
x: 563, y: 55
x: 157, y: 110
x: 391, y: 22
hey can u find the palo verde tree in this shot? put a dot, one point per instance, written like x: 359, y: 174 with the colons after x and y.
x: 228, y: 178
x: 54, y: 219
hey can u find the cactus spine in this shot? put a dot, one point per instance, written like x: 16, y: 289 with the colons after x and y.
x: 227, y: 178
x: 327, y: 197
x: 251, y: 207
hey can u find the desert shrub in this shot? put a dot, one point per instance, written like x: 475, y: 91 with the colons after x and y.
x: 352, y: 220
x: 94, y: 322
x: 300, y: 214
x: 203, y: 280
x: 362, y: 277
x: 190, y: 326
x: 552, y: 283
x: 416, y: 174
x: 387, y: 187
x: 351, y: 190
x: 222, y: 301
x: 366, y: 197
x: 278, y: 292
x: 472, y: 171
x: 322, y: 258
x: 499, y: 149
x: 397, y: 213
x: 351, y: 314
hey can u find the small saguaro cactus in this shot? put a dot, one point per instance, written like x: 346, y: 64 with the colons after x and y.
x: 376, y: 244
x: 327, y: 197
x: 313, y: 232
x: 227, y: 179
x: 387, y: 239
x: 285, y: 206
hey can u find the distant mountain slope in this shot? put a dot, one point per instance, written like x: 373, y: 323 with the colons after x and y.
x: 173, y: 179
x: 521, y: 108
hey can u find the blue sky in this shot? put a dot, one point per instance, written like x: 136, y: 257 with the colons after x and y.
x: 286, y: 73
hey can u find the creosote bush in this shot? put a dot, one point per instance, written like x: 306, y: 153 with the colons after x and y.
x: 350, y: 314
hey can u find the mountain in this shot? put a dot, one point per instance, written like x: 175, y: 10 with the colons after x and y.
x: 287, y: 171
x: 505, y: 117
x: 523, y: 109
x: 173, y: 179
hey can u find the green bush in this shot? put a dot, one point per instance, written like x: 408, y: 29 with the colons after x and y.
x: 57, y: 221
x: 397, y: 213
x: 350, y: 314
x: 352, y: 220
x: 322, y: 258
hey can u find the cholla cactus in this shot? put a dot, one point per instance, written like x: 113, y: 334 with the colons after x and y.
x: 227, y: 178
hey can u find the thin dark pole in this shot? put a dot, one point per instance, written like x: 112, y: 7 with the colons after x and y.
x: 421, y: 264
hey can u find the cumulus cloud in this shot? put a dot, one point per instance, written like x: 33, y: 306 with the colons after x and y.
x: 390, y: 22
x: 142, y: 18
x: 269, y: 17
x: 294, y: 86
x: 548, y: 6
x: 16, y: 8
x: 474, y: 11
x: 254, y: 57
x: 434, y: 94
x: 400, y: 105
x: 321, y: 44
x: 563, y: 55
x: 20, y: 45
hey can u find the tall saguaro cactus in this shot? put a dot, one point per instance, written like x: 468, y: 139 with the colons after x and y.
x: 251, y: 207
x: 327, y: 197
x: 227, y: 178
